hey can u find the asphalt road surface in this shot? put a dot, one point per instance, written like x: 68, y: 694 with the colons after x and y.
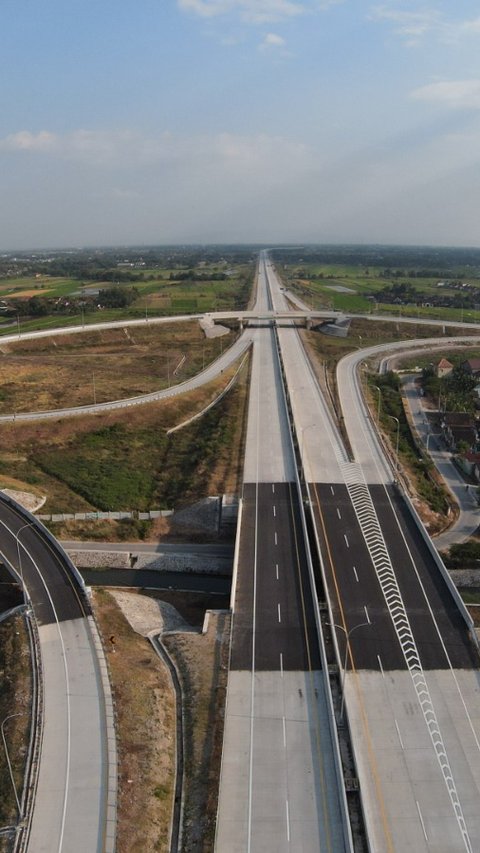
x: 70, y: 807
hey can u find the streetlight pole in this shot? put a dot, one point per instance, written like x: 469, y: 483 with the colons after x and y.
x: 398, y: 439
x: 348, y: 634
x: 17, y: 539
x: 379, y: 401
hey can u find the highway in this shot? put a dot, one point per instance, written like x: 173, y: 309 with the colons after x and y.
x: 411, y: 680
x: 70, y: 805
x: 279, y: 788
x: 408, y: 666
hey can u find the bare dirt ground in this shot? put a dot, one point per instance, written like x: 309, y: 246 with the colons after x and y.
x: 146, y: 719
x: 144, y: 702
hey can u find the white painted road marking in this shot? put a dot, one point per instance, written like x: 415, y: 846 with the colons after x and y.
x: 421, y: 821
x: 380, y: 665
x: 276, y: 540
x: 284, y: 732
x: 366, y: 614
x: 279, y: 614
x: 356, y: 575
x: 399, y: 735
x: 346, y: 540
x: 276, y: 570
x: 339, y: 513
x: 274, y: 511
x: 281, y: 664
x: 288, y: 821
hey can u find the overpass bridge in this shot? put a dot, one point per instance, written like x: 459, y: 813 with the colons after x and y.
x: 329, y: 320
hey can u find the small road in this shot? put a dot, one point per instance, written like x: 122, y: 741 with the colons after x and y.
x: 468, y: 520
x: 197, y: 549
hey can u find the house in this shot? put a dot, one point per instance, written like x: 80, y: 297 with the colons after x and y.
x: 472, y: 366
x: 470, y: 463
x: 444, y: 368
x: 459, y: 428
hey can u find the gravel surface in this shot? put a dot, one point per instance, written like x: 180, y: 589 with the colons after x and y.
x: 31, y: 502
x: 148, y: 614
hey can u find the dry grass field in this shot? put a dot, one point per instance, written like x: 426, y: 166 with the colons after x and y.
x: 76, y: 370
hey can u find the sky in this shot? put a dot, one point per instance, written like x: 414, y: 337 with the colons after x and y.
x: 230, y: 121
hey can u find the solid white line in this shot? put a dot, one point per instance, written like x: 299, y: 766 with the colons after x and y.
x: 356, y: 575
x: 346, y: 540
x: 399, y: 735
x: 380, y: 665
x: 252, y: 699
x: 279, y: 614
x: 276, y: 570
x: 284, y: 732
x: 366, y: 614
x: 281, y: 664
x: 67, y: 688
x: 421, y: 821
x: 288, y: 821
x: 339, y: 513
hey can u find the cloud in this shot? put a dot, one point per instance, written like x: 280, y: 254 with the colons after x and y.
x: 250, y: 11
x: 409, y: 24
x: 272, y: 41
x: 24, y: 140
x: 414, y: 25
x: 457, y: 94
x: 129, y: 150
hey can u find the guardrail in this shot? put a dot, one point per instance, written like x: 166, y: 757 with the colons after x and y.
x: 421, y: 527
x: 318, y: 621
x: 35, y: 739
x: 35, y: 522
x: 441, y: 565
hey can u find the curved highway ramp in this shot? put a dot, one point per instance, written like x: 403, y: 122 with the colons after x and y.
x: 74, y: 804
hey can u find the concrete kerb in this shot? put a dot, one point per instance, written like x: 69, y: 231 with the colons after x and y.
x: 35, y: 522
x: 441, y: 566
x: 176, y: 824
x: 110, y: 746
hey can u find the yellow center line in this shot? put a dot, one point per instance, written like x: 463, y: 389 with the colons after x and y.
x: 371, y: 753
